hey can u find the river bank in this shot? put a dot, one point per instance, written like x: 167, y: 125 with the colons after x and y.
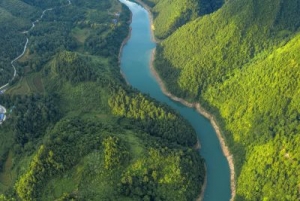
x: 148, y: 9
x: 207, y: 115
x: 224, y: 147
x: 120, y: 52
x: 198, y: 108
x: 167, y: 93
x: 201, y: 195
x: 124, y: 42
x: 122, y: 45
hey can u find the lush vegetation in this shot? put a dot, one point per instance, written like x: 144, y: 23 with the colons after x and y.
x: 11, y: 40
x: 74, y: 129
x: 242, y: 63
x: 261, y: 109
x: 32, y: 115
x: 158, y: 121
x: 217, y: 44
x: 169, y: 15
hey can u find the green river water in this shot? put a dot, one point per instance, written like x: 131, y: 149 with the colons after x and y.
x: 135, y: 60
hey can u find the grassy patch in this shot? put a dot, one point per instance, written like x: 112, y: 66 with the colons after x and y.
x: 32, y: 83
x: 136, y: 146
x: 26, y: 56
x: 90, y: 97
x: 6, y: 174
x: 35, y: 83
x: 59, y: 186
x: 20, y: 88
x: 81, y: 34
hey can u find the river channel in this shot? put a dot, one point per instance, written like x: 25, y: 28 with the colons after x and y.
x: 135, y: 65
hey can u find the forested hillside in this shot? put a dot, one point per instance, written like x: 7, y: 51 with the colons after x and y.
x: 12, y: 23
x: 74, y: 129
x: 169, y: 15
x: 242, y: 63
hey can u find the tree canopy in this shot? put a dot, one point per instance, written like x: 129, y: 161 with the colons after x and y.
x: 241, y: 62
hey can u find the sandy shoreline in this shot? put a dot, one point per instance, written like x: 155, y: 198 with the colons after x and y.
x: 197, y: 106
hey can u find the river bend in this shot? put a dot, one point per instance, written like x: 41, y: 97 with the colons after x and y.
x: 135, y: 66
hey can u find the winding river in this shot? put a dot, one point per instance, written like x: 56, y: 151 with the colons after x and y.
x: 135, y: 66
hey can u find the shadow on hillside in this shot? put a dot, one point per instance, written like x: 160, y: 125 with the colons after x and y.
x: 210, y: 6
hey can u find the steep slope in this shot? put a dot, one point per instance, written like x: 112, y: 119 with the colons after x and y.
x: 242, y: 63
x: 260, y: 106
x: 19, y: 8
x: 169, y: 15
x: 208, y: 49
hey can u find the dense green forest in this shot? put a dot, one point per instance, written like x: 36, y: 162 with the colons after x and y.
x: 169, y: 15
x: 242, y: 63
x: 12, y: 41
x: 75, y: 130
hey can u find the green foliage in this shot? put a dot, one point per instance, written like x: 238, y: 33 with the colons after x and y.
x: 137, y: 107
x: 42, y: 166
x: 71, y: 67
x: 272, y: 170
x: 65, y: 142
x: 260, y: 105
x: 44, y: 4
x: 265, y: 93
x: 115, y: 153
x: 169, y: 15
x: 31, y: 115
x: 19, y: 9
x: 74, y: 142
x: 108, y: 42
x: 217, y: 44
x: 11, y: 41
x: 242, y: 62
x: 154, y: 176
x: 158, y: 121
x: 4, y: 198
